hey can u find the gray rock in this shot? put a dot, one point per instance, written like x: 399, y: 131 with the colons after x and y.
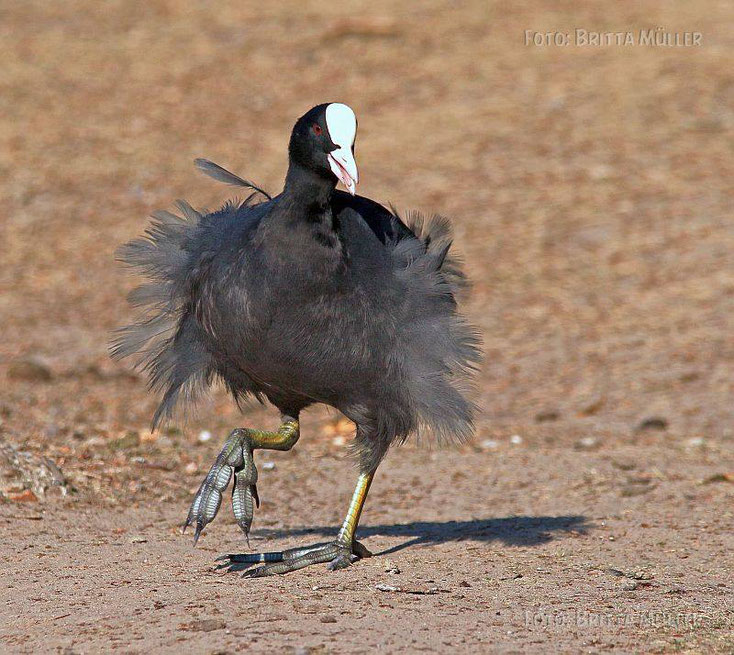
x: 29, y: 369
x: 29, y: 471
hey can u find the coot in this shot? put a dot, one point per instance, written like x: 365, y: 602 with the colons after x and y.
x: 313, y: 296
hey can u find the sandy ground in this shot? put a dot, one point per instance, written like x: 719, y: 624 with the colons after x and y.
x: 591, y: 193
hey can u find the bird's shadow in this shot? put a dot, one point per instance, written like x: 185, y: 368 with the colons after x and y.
x: 511, y: 531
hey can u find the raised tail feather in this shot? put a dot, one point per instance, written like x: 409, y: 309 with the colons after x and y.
x: 223, y: 175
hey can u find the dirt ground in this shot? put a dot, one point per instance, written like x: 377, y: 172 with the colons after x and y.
x: 591, y: 191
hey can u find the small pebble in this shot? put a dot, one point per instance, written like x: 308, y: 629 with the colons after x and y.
x: 546, y: 416
x: 191, y: 468
x: 206, y: 625
x: 653, y: 423
x: 385, y: 587
x: 489, y: 444
x: 641, y: 574
x: 328, y: 618
x: 25, y: 496
x: 148, y: 435
x: 30, y: 369
x: 390, y: 567
x: 695, y: 442
x: 268, y: 466
x: 587, y: 442
x: 718, y: 477
x: 204, y: 436
x: 138, y: 539
x: 592, y: 406
x: 516, y: 439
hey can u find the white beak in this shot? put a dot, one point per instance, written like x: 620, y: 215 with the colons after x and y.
x: 344, y: 167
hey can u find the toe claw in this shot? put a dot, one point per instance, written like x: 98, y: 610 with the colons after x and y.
x: 257, y: 572
x: 339, y: 563
x: 197, y: 533
x: 360, y: 550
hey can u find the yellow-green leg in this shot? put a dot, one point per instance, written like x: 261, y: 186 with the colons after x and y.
x: 339, y: 553
x: 236, y: 457
x: 349, y: 527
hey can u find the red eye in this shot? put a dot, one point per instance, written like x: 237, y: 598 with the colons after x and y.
x: 316, y: 129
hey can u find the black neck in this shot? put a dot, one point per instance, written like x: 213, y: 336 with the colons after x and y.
x: 305, y: 203
x: 308, y: 189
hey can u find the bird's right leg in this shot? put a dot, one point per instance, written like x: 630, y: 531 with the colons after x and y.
x: 237, y: 457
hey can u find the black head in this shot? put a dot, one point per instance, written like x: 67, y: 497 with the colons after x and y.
x: 322, y: 141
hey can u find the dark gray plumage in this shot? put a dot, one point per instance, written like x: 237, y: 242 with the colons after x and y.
x: 314, y: 296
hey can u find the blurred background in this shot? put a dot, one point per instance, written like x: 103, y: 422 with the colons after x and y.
x: 591, y: 193
x: 590, y: 189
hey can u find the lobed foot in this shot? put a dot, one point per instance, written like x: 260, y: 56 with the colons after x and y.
x: 336, y: 554
x: 236, y: 457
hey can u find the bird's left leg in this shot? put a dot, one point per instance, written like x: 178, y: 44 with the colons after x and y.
x: 339, y: 553
x: 237, y: 457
